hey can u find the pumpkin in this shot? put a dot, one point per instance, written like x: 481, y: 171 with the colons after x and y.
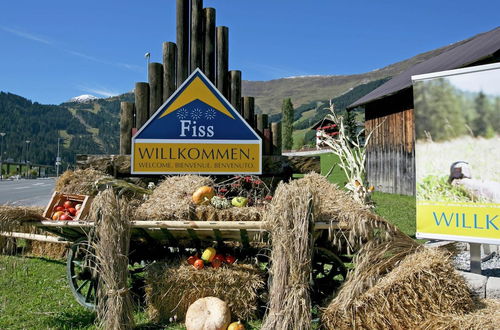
x: 236, y: 326
x: 209, y: 254
x: 208, y: 313
x: 199, y: 264
x: 203, y: 195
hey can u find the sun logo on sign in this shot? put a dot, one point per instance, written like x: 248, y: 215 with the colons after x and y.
x: 210, y: 114
x: 196, y: 114
x: 182, y: 113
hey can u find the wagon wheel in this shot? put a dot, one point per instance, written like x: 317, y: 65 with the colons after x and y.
x: 328, y: 273
x: 82, y: 273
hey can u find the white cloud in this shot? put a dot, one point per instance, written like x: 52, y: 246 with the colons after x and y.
x: 99, y: 90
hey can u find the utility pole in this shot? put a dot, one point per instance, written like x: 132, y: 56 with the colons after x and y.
x: 58, y: 159
x: 27, y: 158
x: 2, y: 134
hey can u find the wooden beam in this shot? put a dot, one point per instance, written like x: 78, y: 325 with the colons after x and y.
x: 209, y: 40
x: 182, y: 41
x: 196, y: 40
x: 36, y: 237
x: 222, y: 59
x: 141, y: 103
x: 126, y: 123
x: 169, y: 74
x: 235, y: 89
x: 276, y: 132
x: 249, y: 110
x: 268, y: 142
x: 155, y: 74
x: 261, y: 123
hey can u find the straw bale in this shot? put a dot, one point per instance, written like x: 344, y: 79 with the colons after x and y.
x: 171, y: 200
x: 422, y: 285
x: 47, y: 250
x: 210, y: 213
x: 12, y: 219
x: 80, y: 181
x: 290, y: 217
x: 171, y: 289
x: 112, y: 217
x: 485, y: 316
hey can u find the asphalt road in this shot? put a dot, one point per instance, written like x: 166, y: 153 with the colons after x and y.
x: 36, y: 192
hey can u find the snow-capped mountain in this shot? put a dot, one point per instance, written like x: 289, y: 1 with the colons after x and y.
x: 83, y: 98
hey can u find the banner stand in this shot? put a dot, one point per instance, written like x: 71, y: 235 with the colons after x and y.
x: 475, y: 258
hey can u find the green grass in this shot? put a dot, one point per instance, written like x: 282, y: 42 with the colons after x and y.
x: 397, y: 209
x: 337, y: 175
x: 298, y: 138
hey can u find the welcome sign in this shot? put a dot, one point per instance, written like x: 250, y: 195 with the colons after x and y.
x: 457, y: 127
x: 196, y: 131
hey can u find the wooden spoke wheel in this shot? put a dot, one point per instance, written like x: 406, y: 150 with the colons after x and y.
x: 82, y: 273
x: 328, y: 273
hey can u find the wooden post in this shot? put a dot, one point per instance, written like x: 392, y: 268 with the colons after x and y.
x: 155, y: 87
x: 141, y: 104
x: 196, y: 35
x: 169, y: 74
x: 276, y: 131
x: 182, y: 40
x: 249, y: 109
x: 222, y: 58
x: 268, y: 142
x: 235, y: 89
x: 209, y: 49
x: 126, y: 117
x: 261, y: 123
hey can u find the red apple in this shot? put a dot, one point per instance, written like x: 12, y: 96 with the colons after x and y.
x: 59, y: 208
x: 72, y: 211
x: 192, y: 259
x: 68, y: 204
x: 65, y: 217
x: 230, y: 259
x: 57, y: 215
x: 216, y: 263
x: 220, y: 257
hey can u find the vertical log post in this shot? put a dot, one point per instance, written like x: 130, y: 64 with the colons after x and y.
x: 276, y: 131
x: 126, y: 118
x: 197, y: 44
x: 235, y: 89
x: 169, y: 74
x: 141, y: 104
x: 209, y: 49
x: 155, y: 87
x: 222, y: 58
x: 182, y: 40
x: 261, y: 123
x: 249, y: 109
x: 268, y: 142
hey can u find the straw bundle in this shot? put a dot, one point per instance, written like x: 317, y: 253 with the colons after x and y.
x: 112, y: 217
x: 485, y: 316
x: 422, y: 285
x: 80, y: 181
x: 11, y: 219
x: 171, y: 289
x: 290, y: 218
x: 172, y: 198
x: 47, y: 249
x: 210, y: 213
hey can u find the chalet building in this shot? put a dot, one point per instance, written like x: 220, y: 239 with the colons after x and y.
x: 324, y: 128
x: 390, y: 161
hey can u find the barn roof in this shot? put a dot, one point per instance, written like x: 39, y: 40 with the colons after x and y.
x: 323, y: 122
x: 458, y: 55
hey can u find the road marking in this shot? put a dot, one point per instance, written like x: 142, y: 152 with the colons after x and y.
x: 23, y: 187
x: 38, y: 184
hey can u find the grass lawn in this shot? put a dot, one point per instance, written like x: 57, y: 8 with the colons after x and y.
x: 397, y: 209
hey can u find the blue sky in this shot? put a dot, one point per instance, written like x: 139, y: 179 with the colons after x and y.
x: 53, y: 50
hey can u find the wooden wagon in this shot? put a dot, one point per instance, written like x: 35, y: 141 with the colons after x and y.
x: 153, y: 240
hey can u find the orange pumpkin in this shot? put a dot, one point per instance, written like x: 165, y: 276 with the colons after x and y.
x: 203, y: 195
x: 236, y: 326
x: 199, y: 264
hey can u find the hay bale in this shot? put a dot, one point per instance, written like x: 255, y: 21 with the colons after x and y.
x: 112, y: 218
x: 171, y: 200
x: 47, y: 250
x: 80, y: 181
x: 171, y: 289
x: 422, y: 285
x: 12, y: 219
x: 210, y: 213
x: 485, y: 316
x: 290, y: 218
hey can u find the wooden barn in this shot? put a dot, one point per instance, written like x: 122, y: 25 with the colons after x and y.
x: 390, y: 161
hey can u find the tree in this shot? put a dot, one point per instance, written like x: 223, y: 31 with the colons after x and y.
x: 481, y: 126
x: 350, y: 124
x: 287, y: 124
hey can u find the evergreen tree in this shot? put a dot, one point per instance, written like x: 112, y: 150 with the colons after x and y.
x: 350, y: 124
x: 481, y: 126
x: 287, y: 124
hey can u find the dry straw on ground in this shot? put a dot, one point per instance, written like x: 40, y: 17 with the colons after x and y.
x: 485, y: 316
x: 171, y: 289
x: 290, y: 218
x: 422, y: 285
x: 112, y: 218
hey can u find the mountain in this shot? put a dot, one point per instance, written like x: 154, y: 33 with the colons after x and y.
x: 90, y: 125
x: 85, y: 98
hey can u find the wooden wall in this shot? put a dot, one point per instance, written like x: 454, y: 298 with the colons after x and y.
x: 390, y: 159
